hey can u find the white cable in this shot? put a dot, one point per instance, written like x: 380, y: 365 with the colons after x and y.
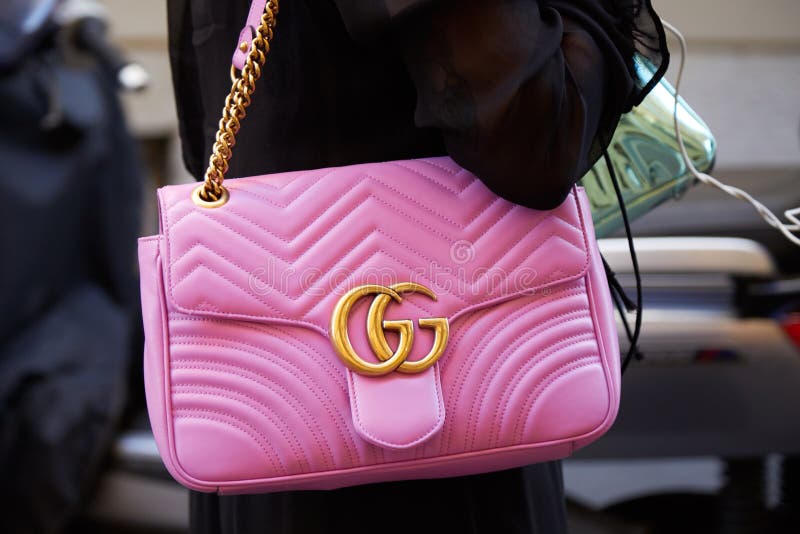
x: 773, y: 220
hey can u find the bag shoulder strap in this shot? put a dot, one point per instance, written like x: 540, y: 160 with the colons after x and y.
x: 211, y: 193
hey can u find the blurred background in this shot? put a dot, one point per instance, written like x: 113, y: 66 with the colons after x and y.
x: 708, y: 435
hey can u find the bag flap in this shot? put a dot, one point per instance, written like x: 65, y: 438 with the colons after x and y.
x: 286, y: 247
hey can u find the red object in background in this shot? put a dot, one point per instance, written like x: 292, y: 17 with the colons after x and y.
x: 791, y: 325
x: 716, y: 355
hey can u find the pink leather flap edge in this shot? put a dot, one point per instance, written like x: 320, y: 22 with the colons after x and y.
x: 287, y: 246
x: 397, y: 411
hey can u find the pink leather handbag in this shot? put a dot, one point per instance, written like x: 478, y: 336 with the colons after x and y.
x: 319, y: 329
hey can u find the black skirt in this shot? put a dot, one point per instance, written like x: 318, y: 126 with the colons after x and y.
x: 528, y: 500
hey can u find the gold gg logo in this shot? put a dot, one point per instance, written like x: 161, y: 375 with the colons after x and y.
x: 376, y: 324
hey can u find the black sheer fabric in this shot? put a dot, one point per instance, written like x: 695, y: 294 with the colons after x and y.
x: 524, y: 93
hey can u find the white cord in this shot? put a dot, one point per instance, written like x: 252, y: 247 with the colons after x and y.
x: 773, y: 220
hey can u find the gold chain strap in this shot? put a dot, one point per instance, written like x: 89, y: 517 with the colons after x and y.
x: 211, y: 193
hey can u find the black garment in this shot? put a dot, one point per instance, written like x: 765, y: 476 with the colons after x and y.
x: 528, y: 500
x: 517, y: 91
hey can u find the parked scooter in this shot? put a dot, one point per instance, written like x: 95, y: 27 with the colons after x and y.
x: 70, y: 178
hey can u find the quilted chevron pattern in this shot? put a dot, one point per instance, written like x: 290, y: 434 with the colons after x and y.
x: 244, y: 390
x: 287, y: 246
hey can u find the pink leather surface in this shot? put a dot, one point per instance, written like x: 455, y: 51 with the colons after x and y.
x: 605, y: 328
x: 247, y: 392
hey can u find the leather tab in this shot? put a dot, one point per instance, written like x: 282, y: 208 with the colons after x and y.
x: 397, y: 411
x: 239, y: 55
x: 247, y: 33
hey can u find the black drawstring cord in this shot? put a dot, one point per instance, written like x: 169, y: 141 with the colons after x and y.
x: 623, y: 304
x: 618, y: 293
x: 616, y: 287
x: 617, y: 298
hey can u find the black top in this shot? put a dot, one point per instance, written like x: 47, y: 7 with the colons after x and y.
x: 517, y: 91
x: 520, y: 92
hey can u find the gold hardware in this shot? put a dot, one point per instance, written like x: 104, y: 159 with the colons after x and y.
x: 212, y: 193
x: 376, y: 326
x: 197, y: 197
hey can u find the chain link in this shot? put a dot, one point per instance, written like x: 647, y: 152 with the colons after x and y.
x: 236, y: 105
